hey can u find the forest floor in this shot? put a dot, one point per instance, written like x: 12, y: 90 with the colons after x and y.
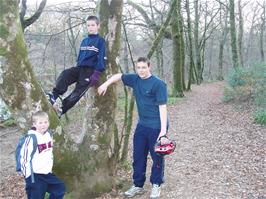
x: 220, y: 152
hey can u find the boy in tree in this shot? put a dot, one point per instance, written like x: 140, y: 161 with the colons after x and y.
x: 151, y: 99
x: 90, y: 65
x: 41, y: 162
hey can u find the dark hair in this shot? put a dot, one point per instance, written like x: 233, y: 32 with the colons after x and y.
x: 144, y: 59
x: 93, y: 18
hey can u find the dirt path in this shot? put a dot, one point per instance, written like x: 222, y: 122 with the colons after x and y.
x: 221, y: 153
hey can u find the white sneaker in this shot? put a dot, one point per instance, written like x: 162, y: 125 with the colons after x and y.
x: 133, y: 191
x: 155, y: 191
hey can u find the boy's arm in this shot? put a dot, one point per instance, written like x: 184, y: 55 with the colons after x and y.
x: 103, y: 88
x: 163, y: 119
x: 100, y: 66
x: 26, y: 156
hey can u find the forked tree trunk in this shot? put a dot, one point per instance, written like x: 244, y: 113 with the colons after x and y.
x: 19, y: 87
x: 87, y: 166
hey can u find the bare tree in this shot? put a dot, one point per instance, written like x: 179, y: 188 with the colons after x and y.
x: 25, y: 22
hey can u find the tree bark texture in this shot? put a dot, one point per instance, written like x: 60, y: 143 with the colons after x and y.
x: 87, y: 167
x: 190, y: 47
x: 233, y: 34
x: 19, y: 87
x: 262, y: 29
x: 178, y: 59
x: 222, y: 41
x: 196, y: 42
x: 98, y: 150
x: 240, y: 33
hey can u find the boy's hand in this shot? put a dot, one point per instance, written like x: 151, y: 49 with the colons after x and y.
x: 95, y: 77
x: 163, y: 139
x: 102, y: 89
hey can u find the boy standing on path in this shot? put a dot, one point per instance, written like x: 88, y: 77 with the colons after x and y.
x: 151, y: 99
x: 90, y: 65
x: 42, y: 162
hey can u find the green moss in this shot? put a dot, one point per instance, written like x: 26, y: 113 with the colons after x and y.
x: 174, y: 100
x: 3, y: 51
x: 3, y: 32
x: 101, y: 188
x: 104, y: 139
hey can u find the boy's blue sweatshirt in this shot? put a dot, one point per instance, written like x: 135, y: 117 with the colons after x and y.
x: 92, y: 53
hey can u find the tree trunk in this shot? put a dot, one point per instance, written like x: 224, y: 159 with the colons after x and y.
x: 19, y: 87
x: 88, y: 165
x: 128, y: 115
x: 233, y: 34
x: 178, y: 61
x: 222, y: 42
x: 240, y: 34
x: 196, y: 42
x: 262, y: 29
x: 190, y: 47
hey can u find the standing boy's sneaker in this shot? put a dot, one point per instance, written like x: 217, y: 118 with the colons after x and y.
x: 133, y: 191
x: 155, y: 191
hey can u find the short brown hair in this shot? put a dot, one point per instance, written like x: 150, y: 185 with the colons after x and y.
x: 144, y: 59
x: 93, y: 18
x: 37, y: 115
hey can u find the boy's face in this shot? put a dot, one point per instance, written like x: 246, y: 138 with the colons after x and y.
x: 41, y: 124
x: 143, y: 70
x: 92, y: 27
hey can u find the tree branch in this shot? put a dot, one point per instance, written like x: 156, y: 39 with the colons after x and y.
x: 27, y: 22
x: 162, y: 29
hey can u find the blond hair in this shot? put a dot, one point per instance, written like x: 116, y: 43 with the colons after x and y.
x: 37, y: 115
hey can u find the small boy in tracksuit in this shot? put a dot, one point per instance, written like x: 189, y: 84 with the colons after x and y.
x: 90, y: 65
x: 42, y: 162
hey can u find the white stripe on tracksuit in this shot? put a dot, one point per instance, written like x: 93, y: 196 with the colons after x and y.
x: 42, y: 161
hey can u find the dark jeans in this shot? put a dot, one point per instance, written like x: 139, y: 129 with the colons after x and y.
x: 78, y: 75
x: 143, y: 143
x: 45, y: 183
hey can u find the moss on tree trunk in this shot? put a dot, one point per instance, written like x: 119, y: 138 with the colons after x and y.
x: 87, y: 168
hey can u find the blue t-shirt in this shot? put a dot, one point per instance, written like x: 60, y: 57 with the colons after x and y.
x: 149, y: 94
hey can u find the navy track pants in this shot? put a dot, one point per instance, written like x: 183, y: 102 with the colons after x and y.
x: 143, y: 143
x: 78, y: 75
x: 45, y: 183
